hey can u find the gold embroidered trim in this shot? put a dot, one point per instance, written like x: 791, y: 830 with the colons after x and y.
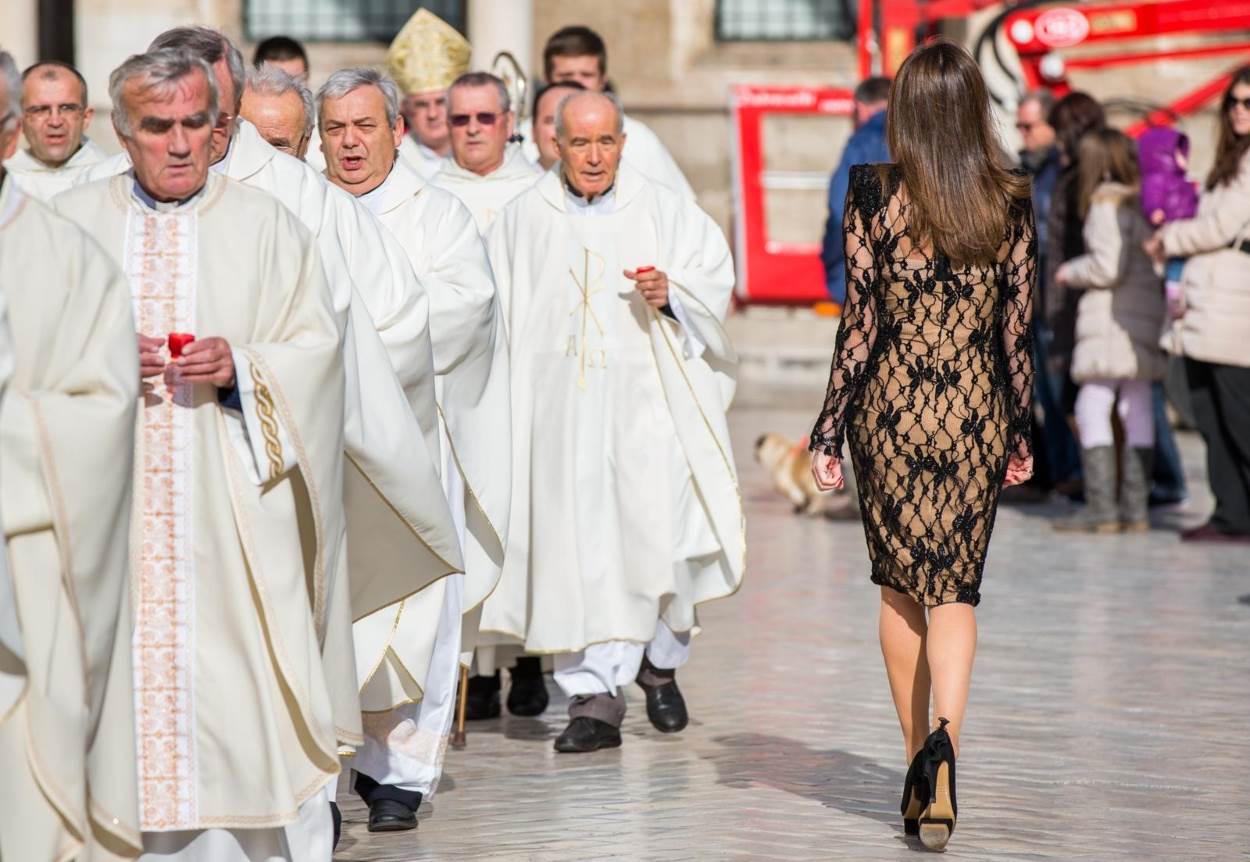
x: 268, y: 424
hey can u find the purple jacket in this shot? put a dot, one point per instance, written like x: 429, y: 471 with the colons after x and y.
x: 1163, y: 183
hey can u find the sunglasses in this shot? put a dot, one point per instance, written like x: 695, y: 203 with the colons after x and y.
x: 462, y: 120
x: 1232, y: 102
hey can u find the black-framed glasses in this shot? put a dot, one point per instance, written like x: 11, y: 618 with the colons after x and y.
x: 1232, y: 102
x: 42, y: 112
x: 486, y: 118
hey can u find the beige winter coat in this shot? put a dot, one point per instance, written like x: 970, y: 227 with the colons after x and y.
x: 1121, y: 313
x: 1216, y: 280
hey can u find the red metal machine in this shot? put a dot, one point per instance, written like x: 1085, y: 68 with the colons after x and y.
x: 1042, y: 34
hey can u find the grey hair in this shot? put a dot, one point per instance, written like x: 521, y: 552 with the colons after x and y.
x: 269, y: 80
x: 483, y: 79
x: 210, y: 46
x: 162, y: 69
x: 345, y: 81
x: 1045, y: 100
x: 561, y: 128
x: 11, y: 80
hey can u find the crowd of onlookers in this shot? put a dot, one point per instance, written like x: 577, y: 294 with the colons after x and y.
x: 1143, y: 277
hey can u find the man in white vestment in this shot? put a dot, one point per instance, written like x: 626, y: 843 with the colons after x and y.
x: 402, y: 539
x: 626, y: 513
x: 546, y: 100
x: 361, y: 127
x: 55, y: 118
x: 485, y: 171
x: 281, y: 108
x: 67, y: 429
x: 238, y: 553
x: 579, y: 54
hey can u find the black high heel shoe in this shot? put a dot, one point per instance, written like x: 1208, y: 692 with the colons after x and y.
x: 937, y: 821
x: 914, y: 796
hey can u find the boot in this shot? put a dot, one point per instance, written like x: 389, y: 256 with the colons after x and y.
x: 1099, y: 514
x: 1135, y: 489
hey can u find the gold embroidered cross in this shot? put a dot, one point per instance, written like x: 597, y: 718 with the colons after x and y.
x: 587, y: 289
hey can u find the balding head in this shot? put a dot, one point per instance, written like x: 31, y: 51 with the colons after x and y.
x: 55, y: 113
x: 590, y: 132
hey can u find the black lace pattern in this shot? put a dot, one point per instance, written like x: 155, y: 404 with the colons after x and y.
x: 931, y: 385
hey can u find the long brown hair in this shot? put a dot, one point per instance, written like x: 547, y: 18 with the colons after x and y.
x: 1073, y: 116
x: 1106, y: 156
x: 1230, y: 148
x: 954, y: 166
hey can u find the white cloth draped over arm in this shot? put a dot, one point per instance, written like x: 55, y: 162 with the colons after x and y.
x: 701, y: 278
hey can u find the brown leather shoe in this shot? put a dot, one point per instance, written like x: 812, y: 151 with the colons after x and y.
x: 1209, y: 532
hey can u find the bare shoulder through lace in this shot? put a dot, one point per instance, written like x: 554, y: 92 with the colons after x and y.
x: 931, y: 387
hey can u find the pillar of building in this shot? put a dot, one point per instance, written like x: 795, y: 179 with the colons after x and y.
x: 502, y: 25
x: 19, y: 30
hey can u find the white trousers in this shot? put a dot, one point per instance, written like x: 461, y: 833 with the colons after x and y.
x: 308, y: 839
x: 605, y: 668
x: 1097, y: 398
x: 405, y: 747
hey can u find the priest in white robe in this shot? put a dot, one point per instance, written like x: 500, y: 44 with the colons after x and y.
x: 579, y: 54
x: 68, y: 782
x: 402, y: 537
x: 281, y: 108
x: 485, y: 171
x: 626, y: 514
x: 238, y: 571
x: 358, y: 112
x: 55, y: 117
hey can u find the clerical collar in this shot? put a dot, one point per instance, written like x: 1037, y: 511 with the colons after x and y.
x: 601, y: 204
x: 141, y: 195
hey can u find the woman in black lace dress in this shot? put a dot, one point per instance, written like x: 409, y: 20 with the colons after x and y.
x: 931, y: 384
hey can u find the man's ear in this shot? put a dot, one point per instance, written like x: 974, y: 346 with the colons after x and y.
x: 401, y: 128
x: 87, y: 115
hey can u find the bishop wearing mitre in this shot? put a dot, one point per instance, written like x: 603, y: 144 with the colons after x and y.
x: 237, y: 561
x: 626, y: 514
x: 358, y: 111
x: 67, y: 425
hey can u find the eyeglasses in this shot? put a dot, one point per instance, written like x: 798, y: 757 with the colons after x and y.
x: 1232, y: 102
x: 42, y: 112
x: 483, y: 117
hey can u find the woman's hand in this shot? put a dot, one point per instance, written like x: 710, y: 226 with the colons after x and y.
x: 827, y: 470
x: 1019, y: 470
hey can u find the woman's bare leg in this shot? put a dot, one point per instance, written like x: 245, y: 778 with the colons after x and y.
x: 902, y: 631
x: 950, y: 646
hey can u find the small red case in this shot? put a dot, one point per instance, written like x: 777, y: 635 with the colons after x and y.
x: 177, y: 341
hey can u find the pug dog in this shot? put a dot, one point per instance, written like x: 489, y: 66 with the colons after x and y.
x: 790, y: 466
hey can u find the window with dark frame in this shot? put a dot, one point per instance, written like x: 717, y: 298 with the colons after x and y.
x: 341, y: 20
x: 784, y: 20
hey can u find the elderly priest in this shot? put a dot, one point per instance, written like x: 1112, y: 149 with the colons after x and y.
x: 361, y: 128
x: 485, y: 171
x: 238, y: 572
x: 626, y: 514
x: 67, y: 427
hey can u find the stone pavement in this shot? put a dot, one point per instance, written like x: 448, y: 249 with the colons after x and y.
x: 1108, y: 718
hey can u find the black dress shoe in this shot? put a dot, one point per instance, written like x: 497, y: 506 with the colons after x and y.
x: 337, y: 817
x: 389, y: 815
x: 528, y: 693
x: 587, y: 734
x: 483, y: 699
x: 665, y: 706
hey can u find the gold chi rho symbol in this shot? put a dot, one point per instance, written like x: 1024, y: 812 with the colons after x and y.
x: 597, y: 358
